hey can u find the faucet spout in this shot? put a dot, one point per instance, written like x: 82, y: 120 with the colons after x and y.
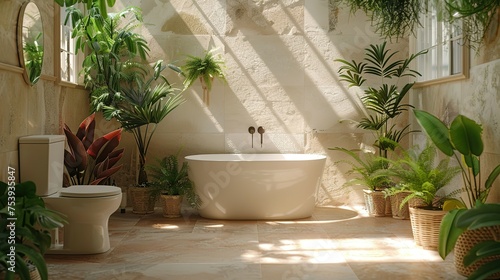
x: 261, y: 131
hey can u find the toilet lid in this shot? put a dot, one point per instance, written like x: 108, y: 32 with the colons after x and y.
x: 90, y: 191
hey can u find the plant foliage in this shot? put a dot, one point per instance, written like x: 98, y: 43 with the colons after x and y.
x: 123, y: 86
x: 32, y: 224
x: 205, y: 69
x: 90, y: 161
x: 457, y: 221
x: 399, y: 19
x: 170, y: 178
x: 383, y: 103
x: 366, y: 169
x: 463, y: 140
x: 419, y: 174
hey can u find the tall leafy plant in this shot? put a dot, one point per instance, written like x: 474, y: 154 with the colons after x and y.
x: 123, y: 85
x: 90, y: 161
x: 385, y: 100
x: 139, y: 107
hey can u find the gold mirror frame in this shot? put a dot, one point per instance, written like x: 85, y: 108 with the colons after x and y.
x: 30, y: 42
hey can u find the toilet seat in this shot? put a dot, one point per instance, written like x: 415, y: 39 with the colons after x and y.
x: 87, y: 191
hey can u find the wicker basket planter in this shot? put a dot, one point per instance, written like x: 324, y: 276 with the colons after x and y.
x: 142, y: 201
x: 469, y: 239
x: 425, y: 227
x: 375, y: 203
x: 171, y: 205
x: 397, y: 212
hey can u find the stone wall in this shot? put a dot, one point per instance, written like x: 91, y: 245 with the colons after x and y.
x: 38, y: 109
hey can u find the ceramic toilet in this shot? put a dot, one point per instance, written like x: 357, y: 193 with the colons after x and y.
x: 87, y: 208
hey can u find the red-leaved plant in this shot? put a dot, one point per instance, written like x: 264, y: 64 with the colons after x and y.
x: 89, y: 161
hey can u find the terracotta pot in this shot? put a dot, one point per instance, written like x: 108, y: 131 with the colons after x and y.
x: 142, y: 201
x: 171, y: 205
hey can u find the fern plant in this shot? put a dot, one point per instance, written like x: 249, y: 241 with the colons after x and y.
x: 420, y: 174
x: 205, y: 69
x: 171, y: 178
x: 366, y: 168
x: 385, y: 102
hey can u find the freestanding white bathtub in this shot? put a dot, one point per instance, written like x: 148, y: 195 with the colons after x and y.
x: 256, y: 186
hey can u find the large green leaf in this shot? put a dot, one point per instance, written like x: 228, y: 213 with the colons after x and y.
x: 465, y: 135
x: 448, y: 232
x: 492, y: 177
x: 436, y: 130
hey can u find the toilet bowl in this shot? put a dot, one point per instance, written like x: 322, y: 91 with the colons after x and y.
x: 87, y: 207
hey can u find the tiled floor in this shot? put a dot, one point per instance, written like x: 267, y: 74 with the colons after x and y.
x: 335, y: 243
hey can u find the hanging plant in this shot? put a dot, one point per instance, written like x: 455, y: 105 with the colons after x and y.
x: 400, y: 19
x: 205, y: 69
x: 476, y: 17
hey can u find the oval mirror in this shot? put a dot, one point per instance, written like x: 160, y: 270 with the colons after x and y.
x: 30, y: 42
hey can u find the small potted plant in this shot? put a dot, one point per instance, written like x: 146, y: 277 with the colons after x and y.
x: 421, y: 178
x: 462, y: 140
x: 172, y: 183
x: 367, y: 169
x: 24, y: 231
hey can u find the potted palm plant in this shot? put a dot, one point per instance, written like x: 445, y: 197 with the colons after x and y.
x: 172, y: 183
x: 122, y: 84
x: 462, y: 140
x: 205, y: 69
x: 420, y: 177
x: 24, y: 231
x: 384, y: 100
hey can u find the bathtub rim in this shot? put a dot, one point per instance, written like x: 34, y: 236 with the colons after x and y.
x: 241, y: 157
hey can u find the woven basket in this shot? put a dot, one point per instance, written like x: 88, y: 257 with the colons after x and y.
x: 171, y: 206
x: 142, y: 201
x: 375, y: 203
x: 425, y: 227
x: 388, y: 206
x: 397, y: 212
x: 469, y: 239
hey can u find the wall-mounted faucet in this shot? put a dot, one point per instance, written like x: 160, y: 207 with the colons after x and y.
x: 261, y: 131
x: 251, y: 130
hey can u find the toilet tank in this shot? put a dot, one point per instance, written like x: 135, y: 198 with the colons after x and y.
x: 41, y: 160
